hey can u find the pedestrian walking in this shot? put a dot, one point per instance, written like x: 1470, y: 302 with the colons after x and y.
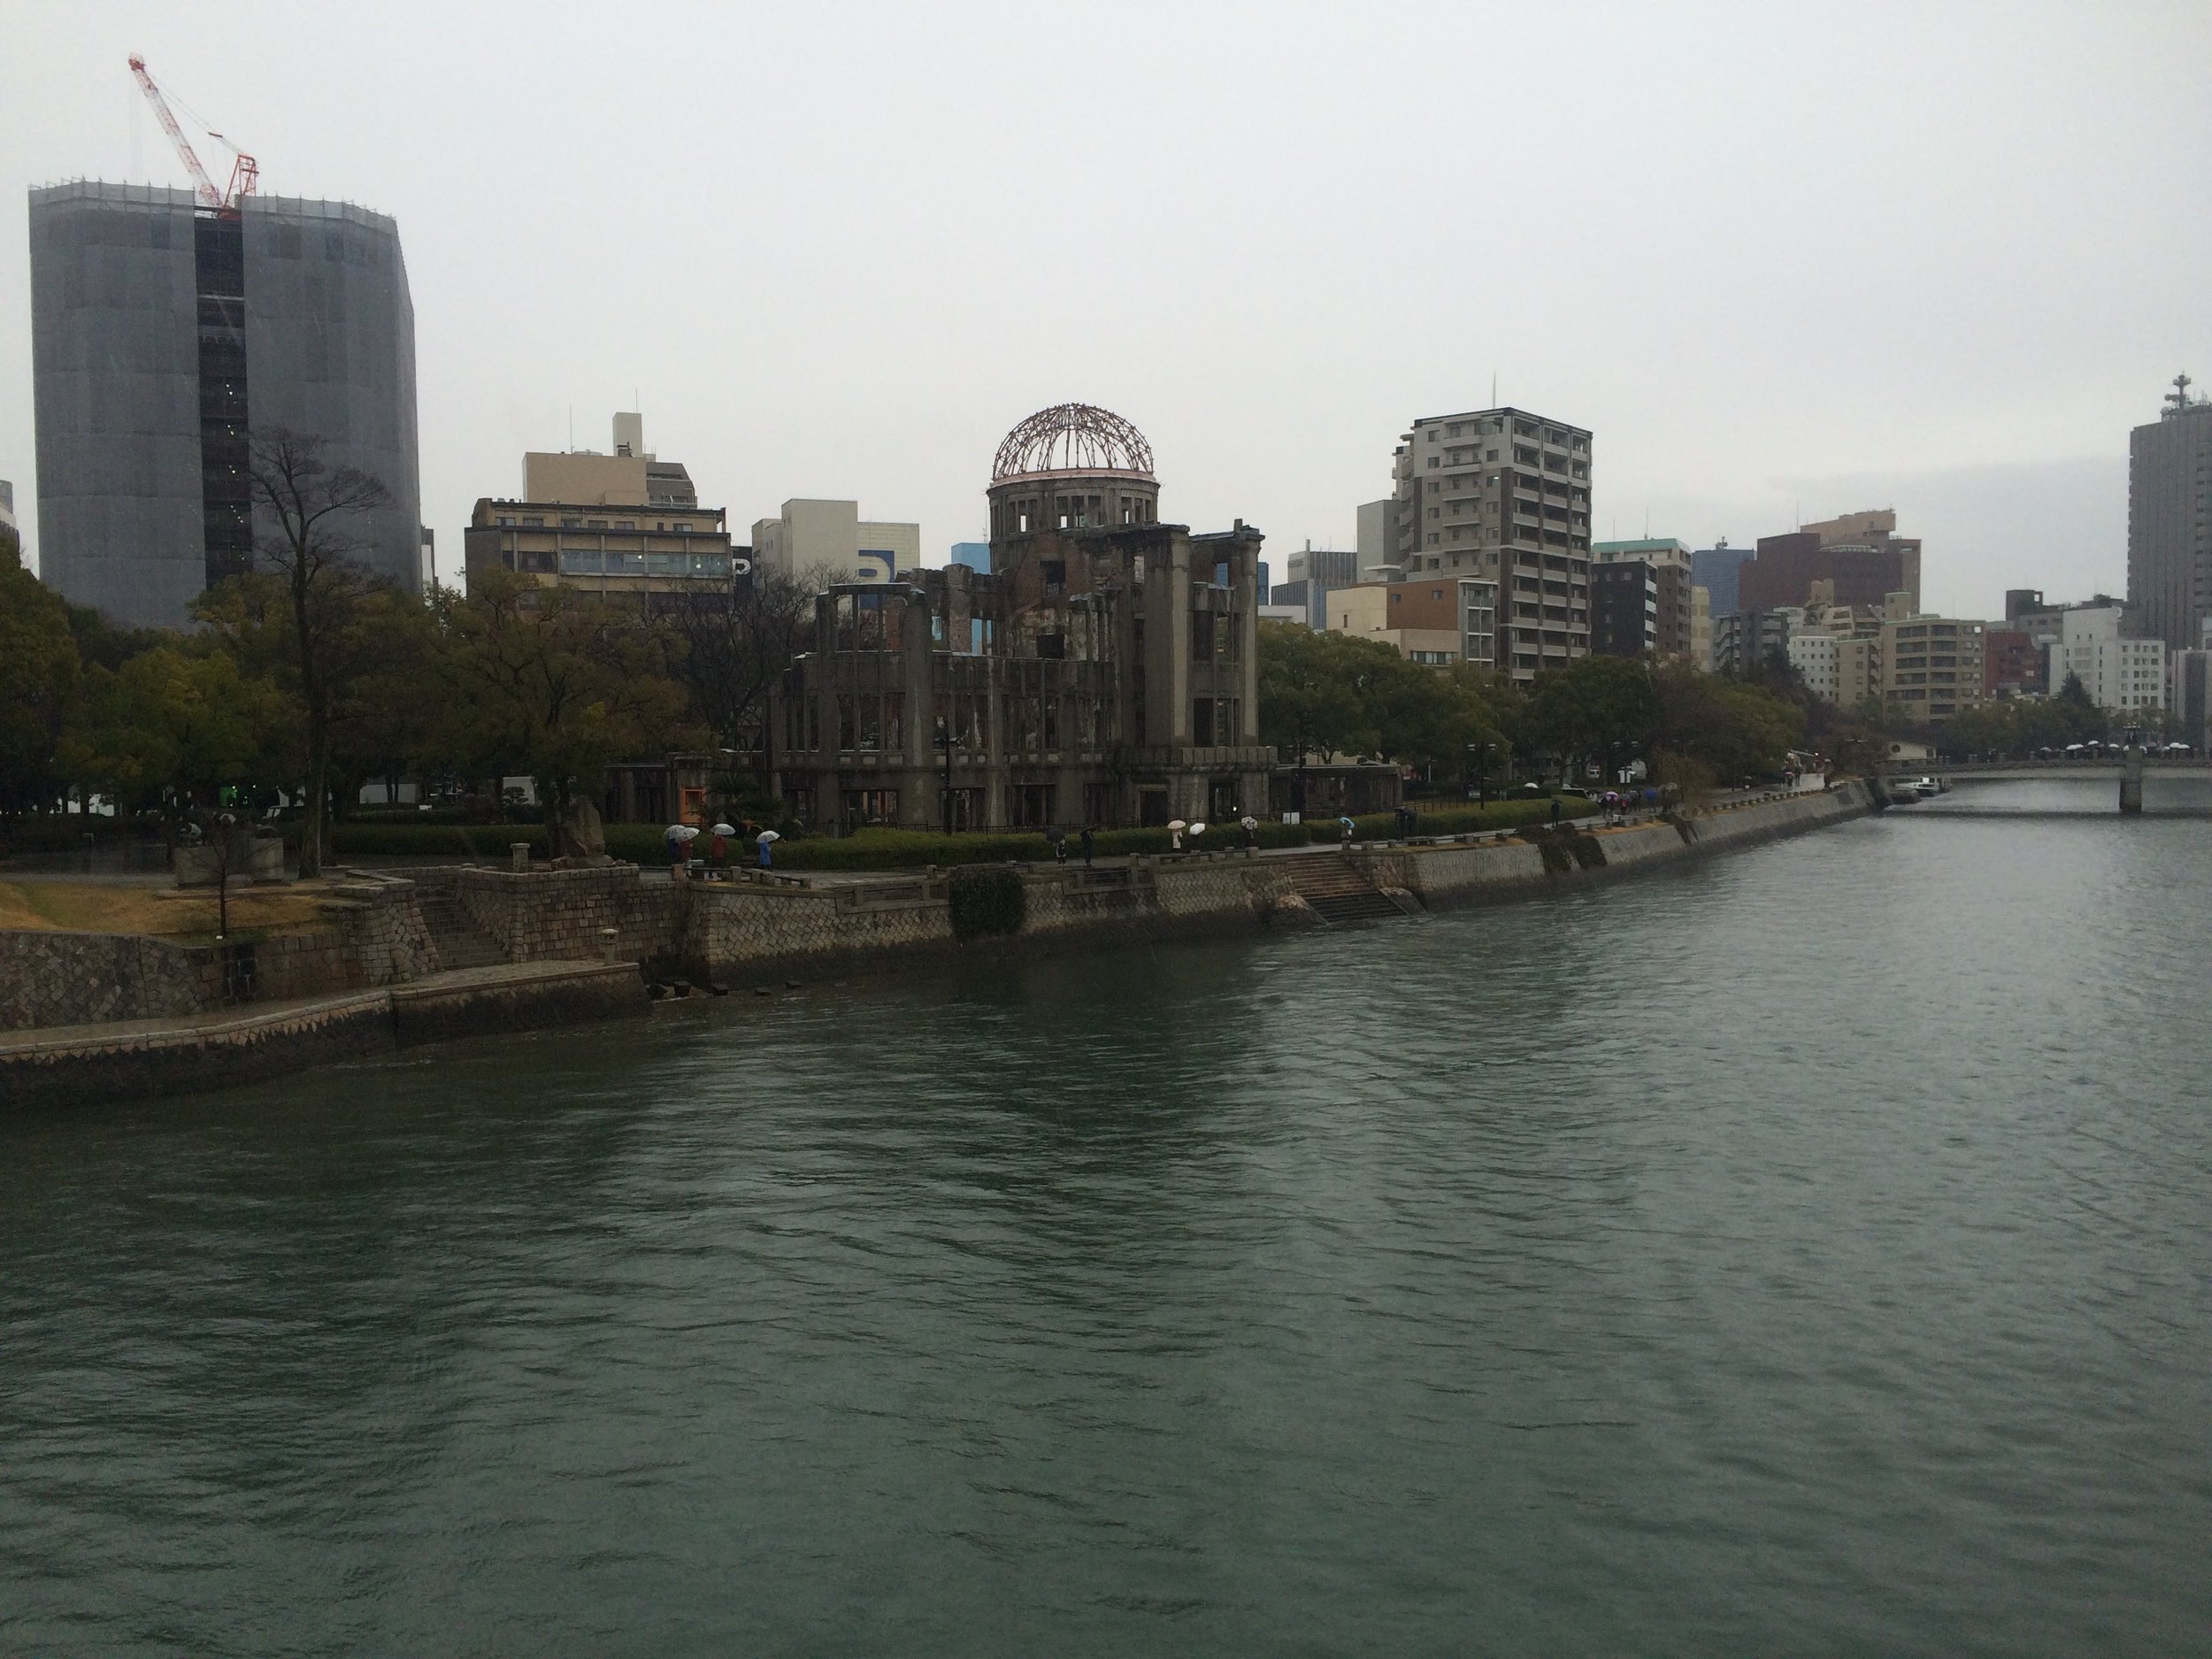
x: 1089, y: 843
x: 768, y: 838
x: 1344, y: 834
x: 1555, y: 808
x: 1251, y: 827
x: 1059, y: 840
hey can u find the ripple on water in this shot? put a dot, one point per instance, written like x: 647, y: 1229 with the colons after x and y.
x: 1799, y: 1253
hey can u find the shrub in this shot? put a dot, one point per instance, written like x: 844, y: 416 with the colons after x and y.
x: 985, y: 901
x: 488, y: 842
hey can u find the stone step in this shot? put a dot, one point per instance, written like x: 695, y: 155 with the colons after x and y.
x: 1371, y: 906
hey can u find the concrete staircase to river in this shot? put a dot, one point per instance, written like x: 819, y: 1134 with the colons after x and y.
x: 459, y: 941
x: 1340, y: 890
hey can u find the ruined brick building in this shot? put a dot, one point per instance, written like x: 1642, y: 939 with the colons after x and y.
x: 1101, y: 671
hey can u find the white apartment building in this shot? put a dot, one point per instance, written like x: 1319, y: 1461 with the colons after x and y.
x: 1818, y: 657
x: 825, y: 542
x: 1504, y: 494
x: 2119, y: 672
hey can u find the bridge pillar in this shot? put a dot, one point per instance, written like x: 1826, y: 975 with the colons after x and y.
x: 2131, y: 779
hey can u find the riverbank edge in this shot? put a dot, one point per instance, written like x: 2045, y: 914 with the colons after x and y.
x: 750, y: 938
x: 146, y: 1059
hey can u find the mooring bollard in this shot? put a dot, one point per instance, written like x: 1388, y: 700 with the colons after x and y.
x: 609, y: 940
x: 518, y: 854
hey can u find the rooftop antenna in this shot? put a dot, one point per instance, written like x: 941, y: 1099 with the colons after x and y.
x: 571, y: 428
x: 1494, y: 388
x: 2179, y: 397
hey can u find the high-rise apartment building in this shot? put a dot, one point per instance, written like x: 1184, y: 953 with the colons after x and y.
x: 162, y: 335
x: 1503, y: 494
x: 1623, y: 608
x: 7, y: 505
x: 2170, y: 519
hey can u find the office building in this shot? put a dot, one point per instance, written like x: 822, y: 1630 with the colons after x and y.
x: 1104, y: 671
x: 1503, y: 494
x: 2170, y: 519
x: 1674, y: 633
x: 161, y: 335
x: 1860, y: 556
x: 1314, y: 572
x: 826, y: 542
x: 624, y: 527
x: 2189, y: 694
x: 2119, y: 672
x: 2013, y: 665
x: 1930, y: 667
x: 1435, y: 620
x: 975, y: 555
x: 629, y: 475
x: 639, y: 558
x: 1715, y: 570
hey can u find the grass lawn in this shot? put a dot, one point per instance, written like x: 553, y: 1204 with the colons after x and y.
x: 91, y: 907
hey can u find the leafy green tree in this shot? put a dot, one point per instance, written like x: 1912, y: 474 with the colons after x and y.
x: 1602, y: 708
x: 1726, y: 727
x: 1313, y: 690
x: 39, y: 673
x: 172, y: 725
x: 546, y: 682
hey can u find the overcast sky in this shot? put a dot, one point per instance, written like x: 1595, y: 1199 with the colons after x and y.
x: 1783, y: 261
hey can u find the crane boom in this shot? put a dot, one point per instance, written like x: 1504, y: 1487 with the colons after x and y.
x: 245, y: 174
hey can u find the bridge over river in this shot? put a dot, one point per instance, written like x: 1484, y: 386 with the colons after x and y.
x: 2011, y: 789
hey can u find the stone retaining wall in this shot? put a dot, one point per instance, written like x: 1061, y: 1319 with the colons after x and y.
x: 559, y: 915
x: 57, y: 978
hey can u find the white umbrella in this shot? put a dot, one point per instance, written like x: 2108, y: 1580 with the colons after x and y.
x: 1176, y: 824
x: 769, y: 835
x: 726, y: 829
x: 1250, y: 823
x: 1198, y: 828
x: 684, y: 832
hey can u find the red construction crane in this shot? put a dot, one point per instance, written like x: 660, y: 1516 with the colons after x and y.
x: 245, y: 174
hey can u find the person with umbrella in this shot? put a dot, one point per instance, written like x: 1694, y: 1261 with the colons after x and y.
x: 718, y: 849
x: 1251, y: 827
x: 1175, y: 829
x: 1058, y: 837
x: 1090, y: 843
x: 1344, y: 833
x: 767, y: 839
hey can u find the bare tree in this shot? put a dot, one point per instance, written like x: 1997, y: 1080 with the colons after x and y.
x: 739, y: 639
x: 311, y: 513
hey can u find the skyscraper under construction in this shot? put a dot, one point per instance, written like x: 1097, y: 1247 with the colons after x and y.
x: 162, y: 332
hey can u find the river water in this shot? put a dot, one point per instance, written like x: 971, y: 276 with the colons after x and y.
x: 1804, y: 1253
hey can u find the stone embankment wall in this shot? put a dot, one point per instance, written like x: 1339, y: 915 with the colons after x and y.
x: 1446, y: 874
x: 739, y: 929
x: 731, y: 928
x: 80, y: 1066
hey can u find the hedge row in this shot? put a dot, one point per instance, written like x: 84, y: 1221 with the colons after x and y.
x: 910, y: 849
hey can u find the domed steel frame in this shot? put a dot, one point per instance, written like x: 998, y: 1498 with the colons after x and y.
x: 1072, y: 438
